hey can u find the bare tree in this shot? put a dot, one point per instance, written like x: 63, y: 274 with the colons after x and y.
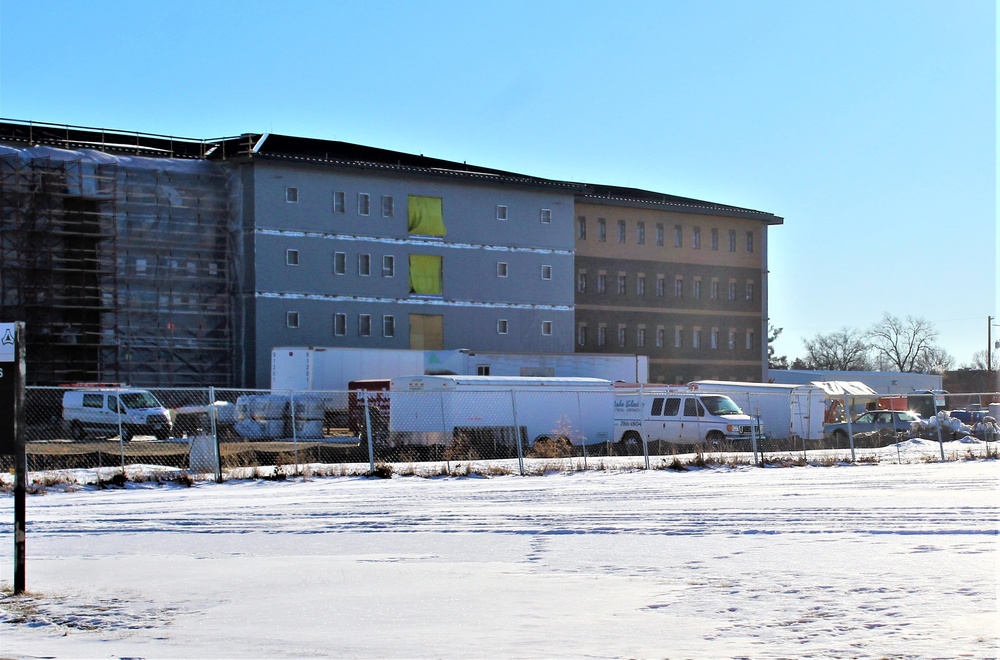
x: 773, y: 361
x: 978, y: 362
x: 844, y: 350
x: 907, y: 346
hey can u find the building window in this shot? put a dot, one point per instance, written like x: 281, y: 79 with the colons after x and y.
x: 140, y: 266
x: 338, y: 202
x: 482, y: 370
x: 426, y: 274
x: 546, y: 272
x: 621, y: 231
x: 501, y: 269
x: 546, y: 216
x: 339, y: 263
x: 660, y: 338
x: 640, y: 285
x: 581, y: 335
x: 715, y: 338
x: 640, y: 233
x: 364, y: 325
x: 602, y: 230
x: 678, y: 336
x: 715, y: 238
x: 292, y: 319
x: 661, y: 286
x: 696, y: 238
x: 749, y: 241
x: 364, y: 265
x: 291, y: 195
x: 581, y: 228
x: 678, y: 287
x: 732, y: 339
x: 640, y: 337
x: 622, y: 283
x: 602, y: 335
x: 732, y: 240
x: 425, y: 216
x: 659, y: 234
x: 602, y: 283
x: 732, y: 289
x: 749, y: 339
x: 621, y: 335
x: 546, y: 328
x: 364, y: 204
x: 696, y: 338
x: 388, y: 266
x: 581, y: 282
x: 388, y: 326
x: 749, y: 291
x: 502, y: 326
x: 501, y: 212
x: 292, y: 257
x: 696, y: 290
x: 386, y: 206
x: 340, y: 324
x: 678, y: 236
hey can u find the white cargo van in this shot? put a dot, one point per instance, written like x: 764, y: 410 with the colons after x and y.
x: 106, y: 412
x: 679, y: 416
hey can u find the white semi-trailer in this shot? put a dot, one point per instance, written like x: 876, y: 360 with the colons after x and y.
x: 784, y: 410
x: 331, y: 369
x: 437, y: 410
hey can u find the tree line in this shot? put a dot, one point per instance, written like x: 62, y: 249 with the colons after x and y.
x: 891, y: 344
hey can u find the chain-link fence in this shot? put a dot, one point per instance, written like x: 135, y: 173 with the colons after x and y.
x: 227, y: 433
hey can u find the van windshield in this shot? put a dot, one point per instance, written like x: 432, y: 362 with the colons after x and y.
x: 134, y: 400
x: 721, y: 405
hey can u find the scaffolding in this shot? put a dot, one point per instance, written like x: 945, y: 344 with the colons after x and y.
x: 122, y: 267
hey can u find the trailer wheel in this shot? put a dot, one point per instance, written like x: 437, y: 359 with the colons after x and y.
x: 76, y: 430
x: 126, y: 434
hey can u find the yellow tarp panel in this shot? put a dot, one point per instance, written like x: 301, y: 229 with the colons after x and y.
x: 426, y: 216
x: 425, y: 274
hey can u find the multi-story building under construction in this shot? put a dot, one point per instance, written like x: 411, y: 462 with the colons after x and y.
x: 161, y: 261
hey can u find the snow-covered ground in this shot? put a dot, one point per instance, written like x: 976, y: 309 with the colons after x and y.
x: 864, y: 560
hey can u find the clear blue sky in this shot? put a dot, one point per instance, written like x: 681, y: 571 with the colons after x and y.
x: 870, y: 126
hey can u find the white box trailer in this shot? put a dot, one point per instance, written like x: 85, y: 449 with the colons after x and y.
x: 784, y: 410
x: 436, y: 410
x: 331, y: 369
x: 463, y: 362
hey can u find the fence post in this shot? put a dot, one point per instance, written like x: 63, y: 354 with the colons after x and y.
x: 645, y: 442
x: 121, y: 437
x: 368, y: 432
x: 938, y: 426
x: 213, y: 420
x: 517, y: 432
x: 295, y: 431
x: 849, y: 409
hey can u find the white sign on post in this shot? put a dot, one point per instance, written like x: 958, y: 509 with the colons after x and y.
x: 7, y: 353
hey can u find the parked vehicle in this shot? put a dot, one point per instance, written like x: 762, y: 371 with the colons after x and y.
x: 434, y: 411
x: 110, y: 411
x: 679, y: 416
x: 898, y: 421
x: 783, y: 411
